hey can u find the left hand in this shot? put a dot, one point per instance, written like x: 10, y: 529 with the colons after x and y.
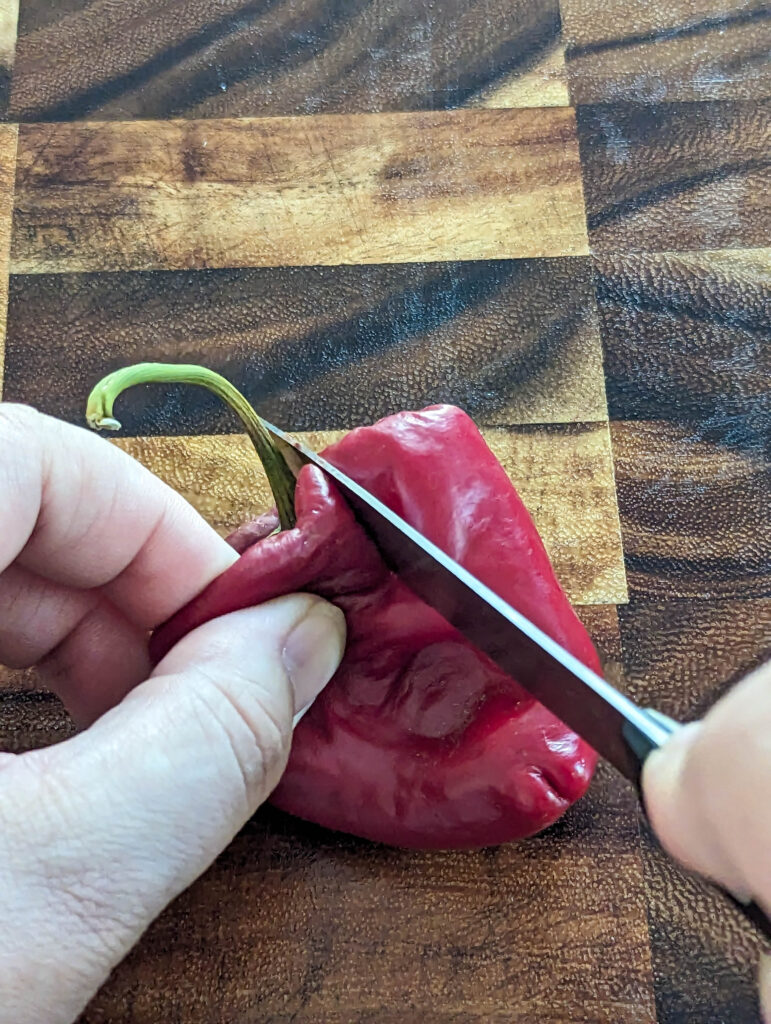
x: 99, y: 833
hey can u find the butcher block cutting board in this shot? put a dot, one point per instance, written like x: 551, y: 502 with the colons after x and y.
x: 554, y: 214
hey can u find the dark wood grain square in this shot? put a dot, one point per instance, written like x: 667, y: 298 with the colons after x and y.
x: 677, y: 176
x: 687, y: 339
x: 144, y: 59
x: 694, y: 515
x: 317, y: 347
x: 680, y: 657
x: 666, y: 51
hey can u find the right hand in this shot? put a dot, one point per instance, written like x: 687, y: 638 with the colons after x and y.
x: 707, y: 796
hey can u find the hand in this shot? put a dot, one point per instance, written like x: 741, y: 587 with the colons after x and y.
x: 707, y: 795
x: 99, y: 833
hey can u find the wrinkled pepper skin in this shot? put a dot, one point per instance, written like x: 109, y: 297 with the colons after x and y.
x: 419, y: 740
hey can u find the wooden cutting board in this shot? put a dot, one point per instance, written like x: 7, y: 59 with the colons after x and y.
x: 554, y: 214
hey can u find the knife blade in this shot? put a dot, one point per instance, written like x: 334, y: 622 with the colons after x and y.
x: 619, y: 730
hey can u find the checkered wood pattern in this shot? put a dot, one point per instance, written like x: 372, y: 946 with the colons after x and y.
x: 554, y: 214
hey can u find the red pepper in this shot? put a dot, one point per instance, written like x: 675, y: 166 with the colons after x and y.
x: 419, y: 740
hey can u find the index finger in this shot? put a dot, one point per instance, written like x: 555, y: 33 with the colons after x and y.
x: 82, y: 512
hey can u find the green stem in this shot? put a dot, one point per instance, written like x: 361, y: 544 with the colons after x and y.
x: 280, y: 477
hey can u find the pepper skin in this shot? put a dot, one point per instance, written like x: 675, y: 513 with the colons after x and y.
x: 419, y: 740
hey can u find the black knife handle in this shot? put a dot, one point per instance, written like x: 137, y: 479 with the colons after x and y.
x: 642, y: 746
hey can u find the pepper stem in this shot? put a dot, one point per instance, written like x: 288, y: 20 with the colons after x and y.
x: 280, y: 477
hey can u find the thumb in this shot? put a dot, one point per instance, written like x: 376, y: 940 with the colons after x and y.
x: 99, y: 833
x: 706, y: 790
x: 681, y: 810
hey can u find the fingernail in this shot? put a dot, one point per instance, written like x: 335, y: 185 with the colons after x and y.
x: 313, y: 651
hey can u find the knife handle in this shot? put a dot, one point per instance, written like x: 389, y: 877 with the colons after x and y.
x: 643, y: 746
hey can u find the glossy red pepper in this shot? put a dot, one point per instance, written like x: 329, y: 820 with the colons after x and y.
x: 419, y: 740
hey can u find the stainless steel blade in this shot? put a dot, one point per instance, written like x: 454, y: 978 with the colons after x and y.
x: 615, y: 726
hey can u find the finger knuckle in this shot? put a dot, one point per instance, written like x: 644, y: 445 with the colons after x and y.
x: 255, y: 727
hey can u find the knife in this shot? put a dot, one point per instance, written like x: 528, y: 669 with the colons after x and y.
x: 617, y: 728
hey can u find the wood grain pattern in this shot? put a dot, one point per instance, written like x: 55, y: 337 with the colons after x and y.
x: 8, y: 136
x: 564, y: 475
x: 687, y: 338
x: 682, y: 656
x: 677, y: 176
x: 706, y: 971
x: 314, y: 347
x: 657, y: 51
x: 329, y: 190
x: 688, y: 357
x: 92, y: 58
x: 466, y: 935
x: 355, y: 246
x: 694, y: 515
